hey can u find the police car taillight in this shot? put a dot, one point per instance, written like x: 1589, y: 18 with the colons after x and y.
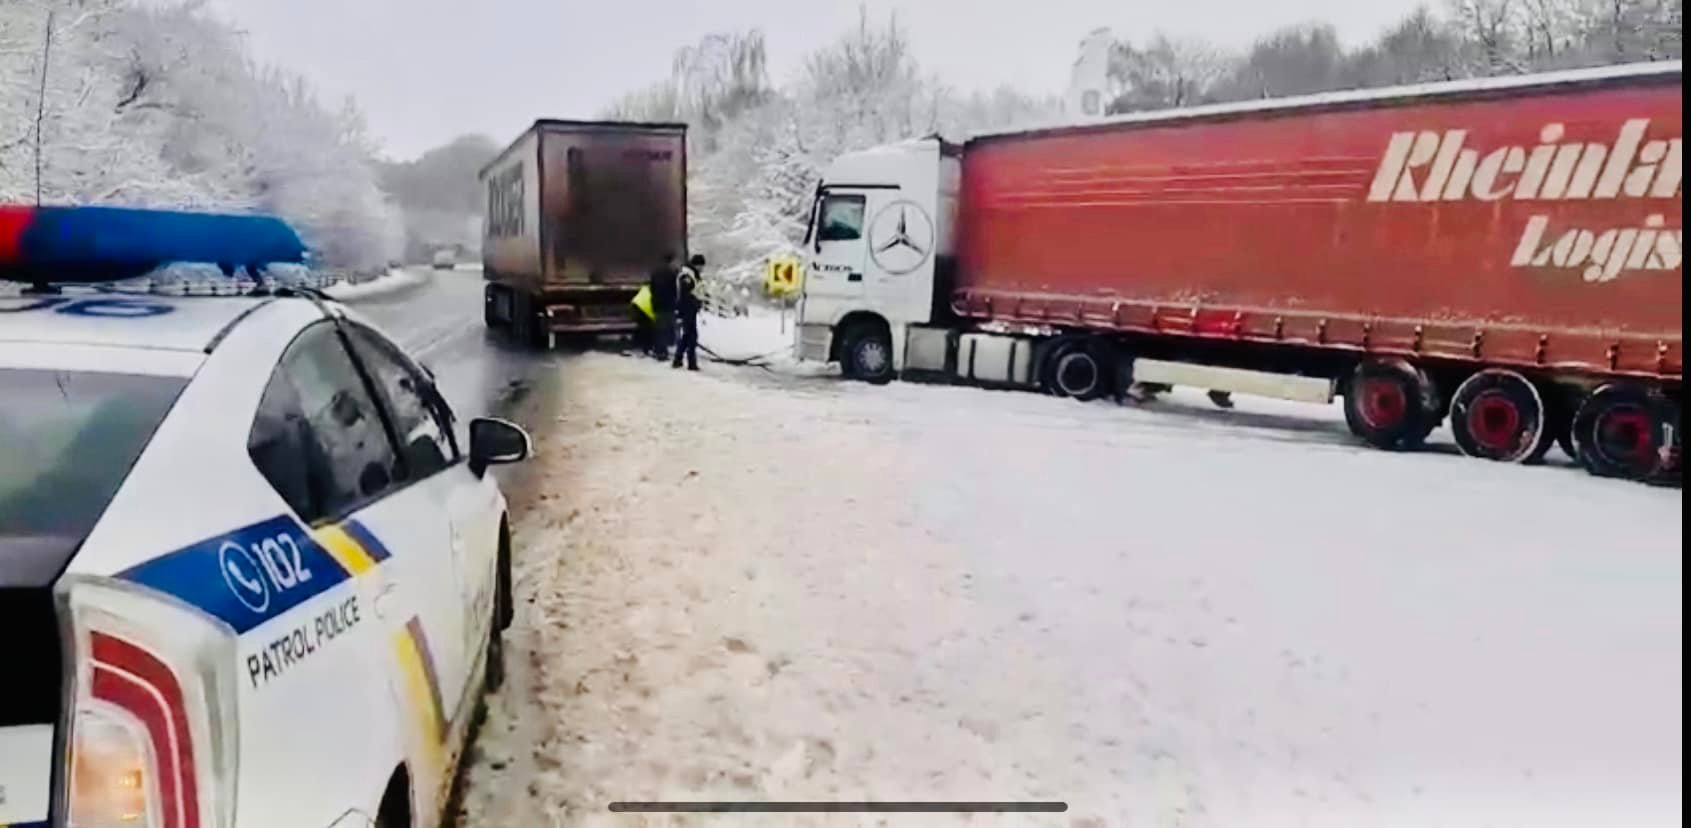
x: 151, y: 701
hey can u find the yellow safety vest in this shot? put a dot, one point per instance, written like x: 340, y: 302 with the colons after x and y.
x: 643, y: 301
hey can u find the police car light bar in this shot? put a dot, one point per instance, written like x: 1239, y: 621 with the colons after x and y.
x: 43, y: 245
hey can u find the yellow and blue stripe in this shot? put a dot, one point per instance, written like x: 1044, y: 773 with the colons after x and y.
x: 214, y: 574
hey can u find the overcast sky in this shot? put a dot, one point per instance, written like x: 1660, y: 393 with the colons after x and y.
x: 426, y: 71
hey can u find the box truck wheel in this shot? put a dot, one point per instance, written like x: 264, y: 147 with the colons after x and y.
x: 1623, y: 431
x: 1387, y: 405
x: 866, y: 354
x: 492, y: 301
x: 1500, y: 415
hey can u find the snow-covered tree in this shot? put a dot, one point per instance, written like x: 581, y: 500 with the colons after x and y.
x: 758, y: 151
x: 1166, y: 72
x: 159, y: 105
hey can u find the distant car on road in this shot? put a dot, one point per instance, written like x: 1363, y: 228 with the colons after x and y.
x: 253, y: 569
x: 445, y: 259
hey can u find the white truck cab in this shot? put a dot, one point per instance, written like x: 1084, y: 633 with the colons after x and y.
x: 879, y: 254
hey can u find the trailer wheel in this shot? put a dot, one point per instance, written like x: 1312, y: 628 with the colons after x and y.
x: 1500, y: 415
x: 1622, y: 431
x: 1079, y: 371
x: 1386, y: 404
x: 867, y: 355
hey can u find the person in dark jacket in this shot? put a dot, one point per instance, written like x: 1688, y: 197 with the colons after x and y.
x: 662, y: 285
x: 687, y: 313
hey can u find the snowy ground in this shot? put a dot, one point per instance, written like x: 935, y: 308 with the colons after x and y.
x: 745, y: 584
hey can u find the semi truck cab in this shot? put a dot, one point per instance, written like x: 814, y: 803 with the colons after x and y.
x: 880, y: 251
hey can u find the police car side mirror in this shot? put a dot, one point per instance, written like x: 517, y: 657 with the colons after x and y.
x: 495, y: 442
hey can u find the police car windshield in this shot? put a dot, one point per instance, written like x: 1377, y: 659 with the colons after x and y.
x: 67, y: 441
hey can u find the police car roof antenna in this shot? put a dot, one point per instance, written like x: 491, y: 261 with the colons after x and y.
x: 41, y: 101
x: 41, y: 286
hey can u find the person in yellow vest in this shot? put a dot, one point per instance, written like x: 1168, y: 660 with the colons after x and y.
x: 645, y: 321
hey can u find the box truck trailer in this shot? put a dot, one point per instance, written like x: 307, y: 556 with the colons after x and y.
x: 578, y: 214
x: 1502, y: 254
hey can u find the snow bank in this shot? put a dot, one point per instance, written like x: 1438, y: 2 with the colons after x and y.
x: 391, y: 282
x: 758, y: 334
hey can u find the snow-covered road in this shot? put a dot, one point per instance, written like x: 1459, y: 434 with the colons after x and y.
x: 744, y: 585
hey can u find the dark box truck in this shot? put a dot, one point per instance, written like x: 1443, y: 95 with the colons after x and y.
x: 578, y: 213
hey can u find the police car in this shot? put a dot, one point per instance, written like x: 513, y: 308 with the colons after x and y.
x: 253, y: 568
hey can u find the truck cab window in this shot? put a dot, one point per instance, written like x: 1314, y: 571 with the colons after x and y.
x: 842, y: 218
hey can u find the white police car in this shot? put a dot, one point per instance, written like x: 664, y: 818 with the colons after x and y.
x: 253, y: 570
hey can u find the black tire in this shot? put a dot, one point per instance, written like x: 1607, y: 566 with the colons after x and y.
x: 1387, y: 405
x: 488, y: 316
x: 395, y: 808
x: 1500, y: 415
x: 866, y: 355
x: 1046, y: 357
x: 520, y: 319
x: 1082, y: 372
x: 1621, y: 431
x: 493, y: 676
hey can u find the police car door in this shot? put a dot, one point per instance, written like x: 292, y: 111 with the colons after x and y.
x: 435, y: 458
x: 365, y: 494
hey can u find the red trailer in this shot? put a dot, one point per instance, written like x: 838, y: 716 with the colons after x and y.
x: 1505, y: 253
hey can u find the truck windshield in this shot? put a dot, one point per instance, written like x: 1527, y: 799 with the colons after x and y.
x: 67, y: 441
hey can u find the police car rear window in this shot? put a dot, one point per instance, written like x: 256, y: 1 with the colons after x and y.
x: 67, y: 441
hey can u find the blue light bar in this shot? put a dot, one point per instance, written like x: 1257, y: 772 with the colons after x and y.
x: 101, y: 244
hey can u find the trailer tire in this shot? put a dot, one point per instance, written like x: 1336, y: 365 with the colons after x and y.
x: 1387, y: 405
x: 866, y: 355
x: 1623, y: 431
x: 1500, y: 415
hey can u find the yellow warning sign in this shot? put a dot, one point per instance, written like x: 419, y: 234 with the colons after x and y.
x: 783, y: 277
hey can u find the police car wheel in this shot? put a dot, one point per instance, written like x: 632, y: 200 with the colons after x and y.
x: 494, y: 676
x: 502, y: 611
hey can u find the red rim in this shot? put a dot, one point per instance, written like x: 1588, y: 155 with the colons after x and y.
x: 1494, y: 421
x: 1627, y: 434
x: 1384, y: 403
